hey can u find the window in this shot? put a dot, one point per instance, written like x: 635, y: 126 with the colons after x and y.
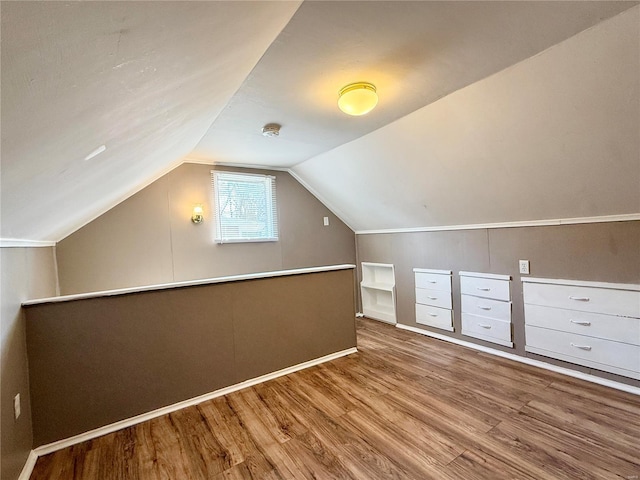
x: 245, y: 207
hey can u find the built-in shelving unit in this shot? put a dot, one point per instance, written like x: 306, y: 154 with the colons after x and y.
x: 594, y: 324
x: 486, y: 307
x: 433, y: 298
x: 378, y: 290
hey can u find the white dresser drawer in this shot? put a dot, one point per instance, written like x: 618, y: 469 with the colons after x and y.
x: 433, y: 281
x: 434, y: 317
x: 489, y: 329
x: 610, y: 327
x: 485, y: 287
x: 590, y: 351
x: 486, y: 307
x: 435, y: 298
x: 586, y: 299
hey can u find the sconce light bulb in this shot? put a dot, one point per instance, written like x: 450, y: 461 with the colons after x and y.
x: 197, y: 215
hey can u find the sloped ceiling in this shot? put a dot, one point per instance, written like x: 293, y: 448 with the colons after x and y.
x: 145, y: 79
x: 413, y: 52
x: 554, y: 137
x: 158, y: 82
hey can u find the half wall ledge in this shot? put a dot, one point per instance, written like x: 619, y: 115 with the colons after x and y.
x: 100, y: 358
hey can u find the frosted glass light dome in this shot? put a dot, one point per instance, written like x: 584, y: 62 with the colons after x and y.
x: 357, y: 98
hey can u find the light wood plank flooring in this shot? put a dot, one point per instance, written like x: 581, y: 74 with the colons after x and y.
x: 404, y: 407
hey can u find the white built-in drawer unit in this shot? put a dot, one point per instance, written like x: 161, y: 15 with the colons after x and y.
x: 432, y: 280
x: 481, y: 327
x: 433, y: 298
x: 486, y: 307
x: 624, y: 303
x: 593, y: 324
x: 489, y: 286
x: 436, y: 298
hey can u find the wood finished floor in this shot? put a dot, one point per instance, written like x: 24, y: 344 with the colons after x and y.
x: 404, y: 407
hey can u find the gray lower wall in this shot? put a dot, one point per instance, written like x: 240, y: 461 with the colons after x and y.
x: 26, y: 273
x: 96, y: 361
x: 149, y: 238
x: 607, y: 252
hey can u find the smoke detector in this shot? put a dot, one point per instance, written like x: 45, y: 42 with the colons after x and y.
x: 271, y: 130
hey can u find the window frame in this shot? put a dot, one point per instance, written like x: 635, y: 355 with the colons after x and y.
x: 270, y: 202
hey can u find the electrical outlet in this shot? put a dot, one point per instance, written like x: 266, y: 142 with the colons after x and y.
x: 524, y: 266
x: 325, y: 221
x: 16, y: 406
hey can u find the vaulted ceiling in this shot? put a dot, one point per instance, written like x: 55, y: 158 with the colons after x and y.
x: 160, y: 82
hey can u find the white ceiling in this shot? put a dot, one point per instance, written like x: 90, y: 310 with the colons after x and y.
x: 160, y: 81
x: 146, y: 79
x: 414, y: 52
x: 555, y: 137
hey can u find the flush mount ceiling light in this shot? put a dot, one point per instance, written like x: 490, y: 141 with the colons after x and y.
x: 357, y: 98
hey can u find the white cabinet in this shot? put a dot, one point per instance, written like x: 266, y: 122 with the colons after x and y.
x: 433, y: 298
x: 486, y: 307
x: 588, y: 323
x: 485, y: 285
x: 378, y: 290
x: 612, y: 301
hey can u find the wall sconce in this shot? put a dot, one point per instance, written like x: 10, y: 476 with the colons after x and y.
x: 197, y: 215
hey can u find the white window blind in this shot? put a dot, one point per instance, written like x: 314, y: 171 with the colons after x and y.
x: 245, y: 207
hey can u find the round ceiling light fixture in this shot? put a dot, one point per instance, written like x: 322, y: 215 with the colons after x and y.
x: 357, y: 98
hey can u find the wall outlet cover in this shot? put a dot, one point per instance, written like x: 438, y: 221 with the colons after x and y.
x: 524, y: 266
x: 325, y: 221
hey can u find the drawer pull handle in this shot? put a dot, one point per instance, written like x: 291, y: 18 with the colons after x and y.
x: 484, y: 289
x: 431, y: 281
x: 579, y: 299
x: 432, y: 298
x: 483, y: 325
x: 581, y: 322
x: 433, y: 314
x: 581, y: 347
x: 484, y: 308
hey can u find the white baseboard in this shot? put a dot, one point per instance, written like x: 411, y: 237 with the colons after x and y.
x: 28, y: 466
x: 529, y: 361
x: 98, y: 432
x: 379, y: 319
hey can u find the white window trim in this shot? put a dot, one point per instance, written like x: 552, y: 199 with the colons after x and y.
x: 271, y: 200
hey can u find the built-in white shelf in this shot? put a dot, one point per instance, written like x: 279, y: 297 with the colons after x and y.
x: 378, y: 286
x: 378, y: 290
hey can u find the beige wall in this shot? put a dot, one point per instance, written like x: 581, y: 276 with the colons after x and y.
x: 96, y: 361
x: 149, y: 238
x: 607, y: 252
x: 26, y: 273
